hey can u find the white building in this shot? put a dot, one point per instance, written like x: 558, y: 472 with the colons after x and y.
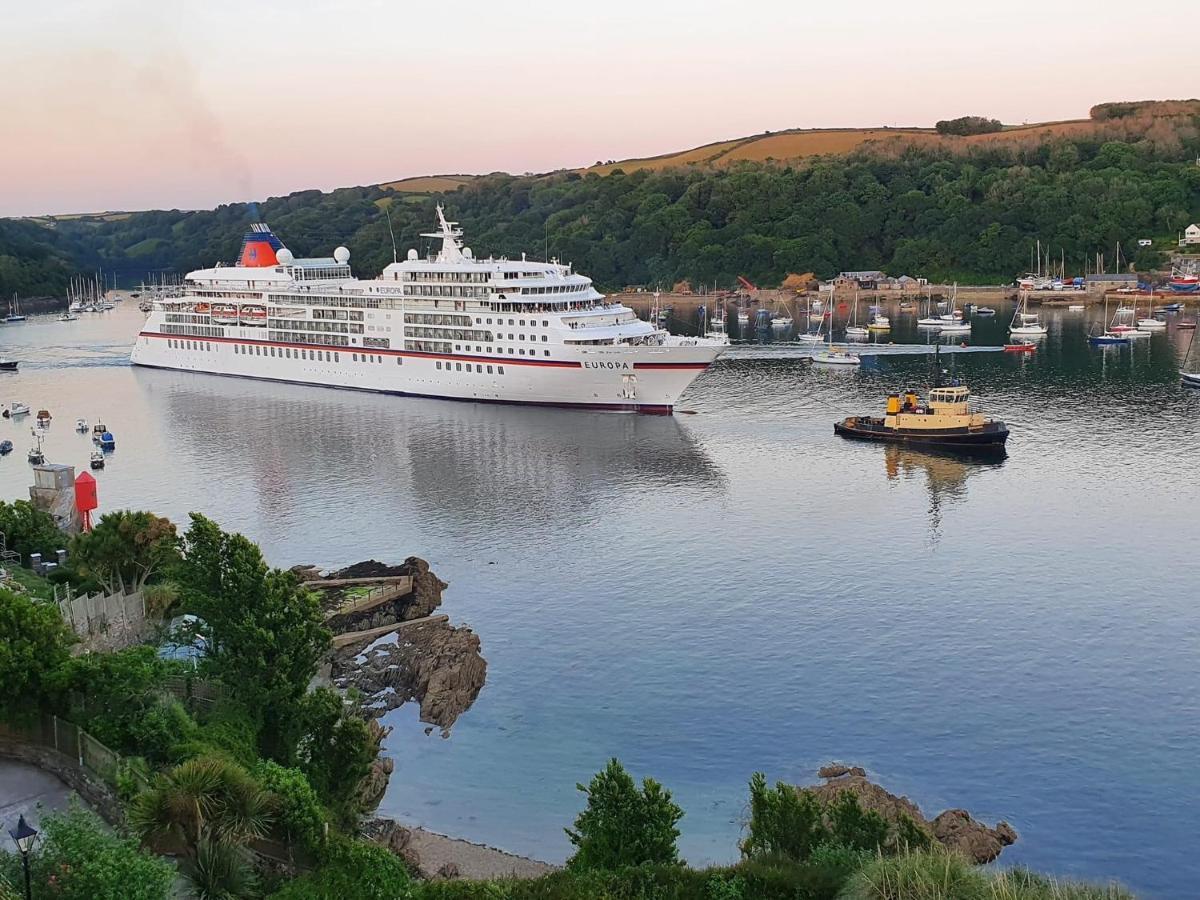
x: 1191, y: 236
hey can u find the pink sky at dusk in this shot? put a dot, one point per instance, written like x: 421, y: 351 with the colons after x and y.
x: 134, y: 105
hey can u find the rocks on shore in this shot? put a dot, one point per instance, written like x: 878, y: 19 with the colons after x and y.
x: 955, y: 829
x: 434, y: 663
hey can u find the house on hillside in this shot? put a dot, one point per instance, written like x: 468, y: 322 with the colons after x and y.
x: 1191, y: 236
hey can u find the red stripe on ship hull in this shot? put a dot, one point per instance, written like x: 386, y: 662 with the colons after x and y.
x: 680, y: 365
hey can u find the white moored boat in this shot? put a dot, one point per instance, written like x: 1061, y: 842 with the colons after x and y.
x: 449, y: 326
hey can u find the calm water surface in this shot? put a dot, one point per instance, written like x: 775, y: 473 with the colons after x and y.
x: 706, y: 595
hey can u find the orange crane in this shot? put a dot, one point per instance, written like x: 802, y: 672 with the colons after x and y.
x: 746, y: 283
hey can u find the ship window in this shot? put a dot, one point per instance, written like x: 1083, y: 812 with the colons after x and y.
x: 521, y: 337
x: 544, y: 338
x: 438, y: 364
x: 272, y: 351
x: 501, y: 369
x: 510, y: 350
x: 489, y: 321
x: 546, y: 352
x: 479, y: 321
x: 399, y: 360
x: 458, y: 367
x: 489, y: 370
x: 354, y: 356
x: 458, y: 346
x: 545, y: 324
x: 379, y: 359
x: 510, y: 322
x: 522, y: 351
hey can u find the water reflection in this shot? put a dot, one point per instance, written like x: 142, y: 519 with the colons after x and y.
x: 488, y: 464
x: 945, y: 477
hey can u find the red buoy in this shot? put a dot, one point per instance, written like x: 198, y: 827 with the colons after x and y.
x: 85, y: 498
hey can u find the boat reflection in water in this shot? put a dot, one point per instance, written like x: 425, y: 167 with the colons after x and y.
x: 466, y: 465
x: 946, y: 475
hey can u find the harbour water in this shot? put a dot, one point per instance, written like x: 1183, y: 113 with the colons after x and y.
x: 733, y: 590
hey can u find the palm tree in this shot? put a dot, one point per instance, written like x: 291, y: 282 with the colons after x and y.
x: 208, y: 809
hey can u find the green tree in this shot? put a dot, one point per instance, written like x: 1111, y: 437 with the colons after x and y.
x: 783, y: 821
x: 622, y: 825
x: 79, y: 858
x: 29, y: 530
x: 335, y: 750
x: 34, y: 643
x: 264, y: 630
x: 126, y: 549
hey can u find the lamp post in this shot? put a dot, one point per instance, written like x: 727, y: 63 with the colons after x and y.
x: 24, y: 836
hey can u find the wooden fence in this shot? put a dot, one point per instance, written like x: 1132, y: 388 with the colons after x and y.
x: 104, y: 621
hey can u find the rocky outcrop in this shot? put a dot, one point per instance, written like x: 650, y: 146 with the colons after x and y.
x: 955, y: 829
x: 374, y: 784
x: 427, y: 588
x: 437, y: 664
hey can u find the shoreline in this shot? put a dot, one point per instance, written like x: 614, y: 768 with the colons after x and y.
x: 435, y: 852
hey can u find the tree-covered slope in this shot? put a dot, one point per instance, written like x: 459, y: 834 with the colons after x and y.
x: 971, y: 216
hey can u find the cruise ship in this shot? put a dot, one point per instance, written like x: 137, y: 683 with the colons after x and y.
x: 449, y: 325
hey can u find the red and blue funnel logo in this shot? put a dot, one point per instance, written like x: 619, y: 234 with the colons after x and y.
x: 258, y: 247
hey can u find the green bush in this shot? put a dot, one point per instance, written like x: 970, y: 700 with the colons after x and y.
x: 28, y: 530
x: 623, y: 826
x: 335, y: 751
x: 298, y: 810
x: 353, y: 870
x: 79, y: 858
x: 226, y: 730
x: 118, y: 698
x: 34, y: 643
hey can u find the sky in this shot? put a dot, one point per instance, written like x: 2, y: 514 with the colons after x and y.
x: 133, y: 104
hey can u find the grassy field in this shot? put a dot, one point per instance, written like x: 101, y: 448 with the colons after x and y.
x: 427, y: 184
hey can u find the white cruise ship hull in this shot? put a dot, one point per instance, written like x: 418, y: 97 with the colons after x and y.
x: 629, y: 379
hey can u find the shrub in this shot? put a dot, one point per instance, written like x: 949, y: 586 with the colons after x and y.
x: 34, y: 644
x: 965, y: 125
x: 299, y: 813
x: 335, y: 751
x: 29, y: 530
x: 353, y: 870
x: 78, y: 858
x: 783, y: 821
x: 622, y: 826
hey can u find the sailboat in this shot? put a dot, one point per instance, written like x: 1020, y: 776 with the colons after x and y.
x: 1150, y: 323
x: 782, y: 317
x: 14, y: 311
x: 835, y: 356
x: 814, y: 337
x: 853, y: 329
x: 1190, y: 378
x: 952, y: 319
x: 929, y: 320
x: 1109, y: 337
x: 1024, y: 323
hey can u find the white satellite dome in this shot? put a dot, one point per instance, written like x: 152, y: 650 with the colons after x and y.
x: 284, y: 256
x: 467, y: 252
x: 412, y: 253
x: 342, y: 255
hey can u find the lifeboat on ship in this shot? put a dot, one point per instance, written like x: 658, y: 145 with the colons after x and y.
x: 224, y: 314
x: 253, y: 314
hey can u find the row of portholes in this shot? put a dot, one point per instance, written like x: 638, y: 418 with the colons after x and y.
x: 479, y: 367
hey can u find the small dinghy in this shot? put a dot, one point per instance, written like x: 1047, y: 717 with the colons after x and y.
x: 6, y: 447
x: 1020, y: 347
x: 1108, y: 339
x: 44, y: 417
x: 97, y: 461
x: 1191, y: 323
x: 16, y: 408
x: 8, y: 365
x: 81, y: 425
x: 1076, y: 307
x: 985, y: 311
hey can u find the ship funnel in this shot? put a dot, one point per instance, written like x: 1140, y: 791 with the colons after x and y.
x: 259, y: 246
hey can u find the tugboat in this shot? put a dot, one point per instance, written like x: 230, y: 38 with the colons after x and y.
x: 944, y: 422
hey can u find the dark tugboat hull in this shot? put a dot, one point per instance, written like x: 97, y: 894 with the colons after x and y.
x: 988, y: 439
